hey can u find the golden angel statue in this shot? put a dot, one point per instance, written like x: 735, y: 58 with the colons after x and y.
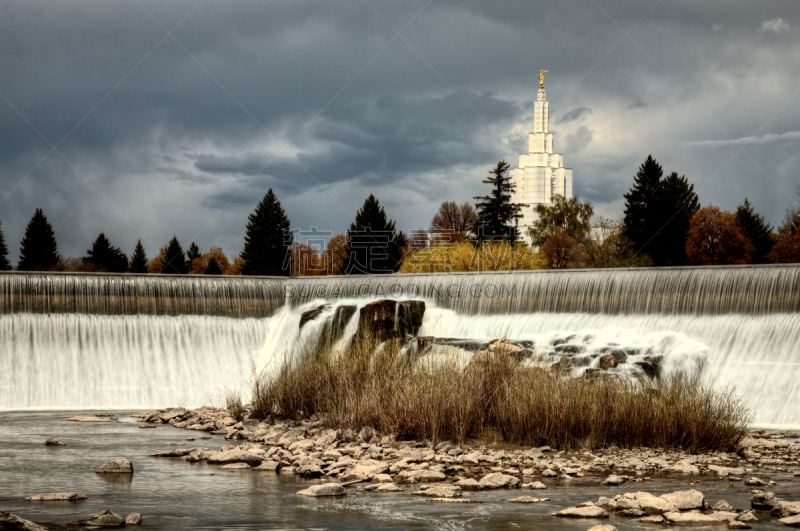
x: 541, y: 77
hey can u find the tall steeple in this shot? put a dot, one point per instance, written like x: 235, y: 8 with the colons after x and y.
x: 541, y: 173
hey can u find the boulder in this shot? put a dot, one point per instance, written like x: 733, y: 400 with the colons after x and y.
x: 498, y: 480
x: 764, y: 501
x: 755, y: 482
x: 387, y: 319
x: 632, y: 513
x: 791, y: 521
x: 12, y: 522
x: 613, y: 480
x: 608, y: 362
x: 582, y: 512
x: 689, y: 519
x: 341, y: 316
x: 785, y: 508
x: 440, y: 491
x: 682, y: 467
x: 388, y: 487
x: 685, y: 500
x: 133, y: 519
x: 528, y: 499
x: 722, y: 505
x: 235, y: 456
x: 53, y: 441
x: 236, y: 466
x: 116, y: 466
x: 547, y: 473
x: 310, y: 315
x: 87, y: 418
x: 738, y: 525
x: 326, y: 489
x: 269, y: 466
x: 655, y: 505
x: 57, y: 496
x: 603, y: 527
x: 727, y: 471
x: 536, y: 485
x: 468, y: 484
x: 309, y: 471
x: 420, y: 476
x: 106, y: 520
x: 654, y: 519
x: 747, y: 517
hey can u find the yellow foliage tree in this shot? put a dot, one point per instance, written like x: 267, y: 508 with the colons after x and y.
x: 199, y: 265
x: 156, y: 264
x: 462, y: 256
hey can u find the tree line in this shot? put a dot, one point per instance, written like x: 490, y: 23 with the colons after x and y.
x: 663, y: 225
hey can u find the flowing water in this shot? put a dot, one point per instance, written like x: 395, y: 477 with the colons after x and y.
x: 172, y: 495
x: 82, y: 341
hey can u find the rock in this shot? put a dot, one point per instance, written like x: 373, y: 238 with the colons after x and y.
x: 685, y: 500
x: 440, y: 491
x: 420, y: 476
x: 382, y: 478
x: 528, y: 499
x: 133, y: 519
x: 387, y: 319
x: 722, y: 505
x: 57, y: 496
x: 738, y: 525
x: 499, y: 481
x: 723, y: 516
x: 536, y: 485
x: 388, y: 487
x: 53, y: 441
x: 655, y: 505
x: 116, y: 466
x: 310, y: 315
x: 236, y: 466
x: 755, y: 482
x: 547, y: 473
x: 582, y: 512
x: 341, y: 316
x: 727, y: 471
x: 269, y: 466
x: 87, y: 418
x: 632, y: 513
x: 613, y: 480
x: 682, y: 467
x: 106, y: 519
x: 784, y: 509
x: 177, y: 452
x: 764, y: 501
x: 655, y: 519
x: 623, y: 504
x: 608, y: 362
x: 603, y: 527
x: 326, y: 489
x: 310, y: 471
x: 146, y: 426
x: 453, y: 500
x: 747, y: 517
x: 235, y: 456
x: 468, y: 484
x: 608, y: 504
x: 689, y: 519
x: 791, y: 521
x: 12, y: 522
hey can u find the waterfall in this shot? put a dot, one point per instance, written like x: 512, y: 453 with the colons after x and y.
x: 108, y: 340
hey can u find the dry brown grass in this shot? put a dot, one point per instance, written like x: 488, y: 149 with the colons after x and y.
x: 420, y: 399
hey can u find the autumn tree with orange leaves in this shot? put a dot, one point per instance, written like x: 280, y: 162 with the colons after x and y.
x: 716, y: 238
x: 334, y: 259
x: 306, y: 261
x: 199, y: 265
x: 559, y: 248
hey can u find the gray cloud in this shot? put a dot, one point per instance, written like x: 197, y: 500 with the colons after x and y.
x: 333, y: 107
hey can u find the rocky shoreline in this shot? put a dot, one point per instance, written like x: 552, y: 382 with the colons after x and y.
x: 445, y: 472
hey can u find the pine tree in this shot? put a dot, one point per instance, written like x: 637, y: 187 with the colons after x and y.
x: 105, y: 257
x: 496, y: 212
x: 213, y: 267
x: 267, y: 239
x: 677, y: 204
x: 374, y: 245
x: 641, y: 223
x: 5, y: 265
x: 175, y: 259
x: 138, y: 259
x: 194, y: 252
x: 38, y: 250
x: 759, y: 232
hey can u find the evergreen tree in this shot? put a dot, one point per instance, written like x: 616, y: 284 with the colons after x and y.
x: 5, y: 265
x: 138, y: 259
x: 105, y: 257
x: 267, y: 239
x: 677, y: 204
x: 38, y: 250
x: 374, y: 245
x: 496, y: 212
x: 759, y: 232
x: 658, y: 213
x: 213, y: 267
x: 194, y: 252
x: 175, y: 259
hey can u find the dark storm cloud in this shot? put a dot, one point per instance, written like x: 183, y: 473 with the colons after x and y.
x: 323, y: 103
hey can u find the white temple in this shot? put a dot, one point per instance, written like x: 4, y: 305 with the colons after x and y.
x: 541, y: 173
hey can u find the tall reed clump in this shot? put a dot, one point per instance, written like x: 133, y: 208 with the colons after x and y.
x: 442, y: 397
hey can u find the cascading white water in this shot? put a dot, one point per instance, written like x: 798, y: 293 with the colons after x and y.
x: 141, y: 341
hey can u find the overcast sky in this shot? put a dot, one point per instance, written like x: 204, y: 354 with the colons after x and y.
x: 145, y: 119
